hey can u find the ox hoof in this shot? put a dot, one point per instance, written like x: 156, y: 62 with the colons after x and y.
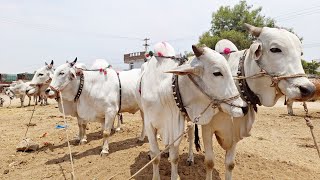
x: 104, y: 153
x: 118, y: 129
x: 83, y: 141
x: 159, y: 137
x: 291, y: 114
x: 140, y: 141
x: 149, y: 156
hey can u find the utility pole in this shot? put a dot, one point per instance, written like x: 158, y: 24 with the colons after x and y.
x: 146, y: 44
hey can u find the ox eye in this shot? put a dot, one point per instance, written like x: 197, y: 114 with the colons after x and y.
x: 275, y: 50
x: 40, y: 74
x: 301, y: 53
x: 217, y: 74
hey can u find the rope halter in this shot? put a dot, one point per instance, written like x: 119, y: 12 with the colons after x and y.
x: 275, y: 79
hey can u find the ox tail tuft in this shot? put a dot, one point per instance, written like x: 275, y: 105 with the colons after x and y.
x: 196, y: 138
x: 285, y: 100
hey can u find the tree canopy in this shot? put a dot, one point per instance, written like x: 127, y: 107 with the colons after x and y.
x: 310, y: 67
x: 227, y: 23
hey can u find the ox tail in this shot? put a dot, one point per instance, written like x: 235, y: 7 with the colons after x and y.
x: 196, y: 138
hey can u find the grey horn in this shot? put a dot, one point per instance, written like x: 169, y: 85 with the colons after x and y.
x: 198, y: 51
x: 254, y: 31
x: 74, y: 62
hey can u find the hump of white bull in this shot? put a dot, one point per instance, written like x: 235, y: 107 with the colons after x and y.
x: 164, y: 49
x: 225, y: 47
x: 81, y: 66
x: 100, y: 63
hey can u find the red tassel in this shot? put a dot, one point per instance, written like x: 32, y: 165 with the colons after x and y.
x: 160, y: 54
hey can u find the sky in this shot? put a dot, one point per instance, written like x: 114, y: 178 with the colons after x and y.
x: 33, y: 32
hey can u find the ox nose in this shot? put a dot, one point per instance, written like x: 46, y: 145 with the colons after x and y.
x: 47, y: 91
x: 245, y: 109
x: 307, y: 91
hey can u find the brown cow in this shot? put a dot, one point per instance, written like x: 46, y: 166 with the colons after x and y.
x: 315, y: 97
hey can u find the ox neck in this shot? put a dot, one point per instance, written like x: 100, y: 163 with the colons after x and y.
x: 70, y: 91
x: 195, y: 101
x: 260, y: 87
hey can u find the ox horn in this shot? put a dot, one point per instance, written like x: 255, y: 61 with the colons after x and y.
x: 255, y: 31
x: 74, y: 62
x: 51, y: 62
x: 198, y: 51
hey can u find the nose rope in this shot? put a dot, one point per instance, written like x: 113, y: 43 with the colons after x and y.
x: 246, y: 93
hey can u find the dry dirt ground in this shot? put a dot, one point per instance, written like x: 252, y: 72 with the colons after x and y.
x: 280, y: 148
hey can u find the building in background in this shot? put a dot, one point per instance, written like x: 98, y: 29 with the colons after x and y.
x: 25, y: 76
x: 135, y: 60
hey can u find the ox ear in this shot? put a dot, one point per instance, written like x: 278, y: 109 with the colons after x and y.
x: 185, y: 69
x: 254, y: 31
x: 256, y: 50
x: 73, y: 73
x: 45, y: 63
x: 74, y: 62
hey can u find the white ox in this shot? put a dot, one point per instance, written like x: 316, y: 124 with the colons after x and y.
x: 20, y: 90
x: 161, y: 114
x: 278, y: 52
x: 41, y: 81
x: 225, y: 47
x: 99, y: 100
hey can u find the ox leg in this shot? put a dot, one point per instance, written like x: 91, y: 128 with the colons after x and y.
x: 119, y: 124
x: 42, y: 101
x: 154, y: 150
x: 190, y: 159
x: 29, y: 100
x: 207, y: 142
x: 229, y: 161
x: 22, y: 101
x: 289, y: 107
x: 143, y: 134
x: 46, y: 100
x: 107, y: 129
x: 82, y: 132
x: 174, y: 158
x: 35, y: 100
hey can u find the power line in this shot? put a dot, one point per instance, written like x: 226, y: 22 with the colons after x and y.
x: 57, y: 29
x: 299, y: 15
x: 294, y: 12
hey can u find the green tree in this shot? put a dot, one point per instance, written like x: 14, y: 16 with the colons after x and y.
x: 313, y: 66
x: 305, y: 66
x: 310, y: 67
x: 227, y: 23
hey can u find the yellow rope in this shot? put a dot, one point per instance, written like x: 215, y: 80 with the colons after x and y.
x: 66, y: 128
x: 309, y: 124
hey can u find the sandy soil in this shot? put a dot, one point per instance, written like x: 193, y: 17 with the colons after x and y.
x: 280, y: 147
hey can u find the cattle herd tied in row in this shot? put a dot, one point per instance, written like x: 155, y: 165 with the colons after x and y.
x: 218, y: 89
